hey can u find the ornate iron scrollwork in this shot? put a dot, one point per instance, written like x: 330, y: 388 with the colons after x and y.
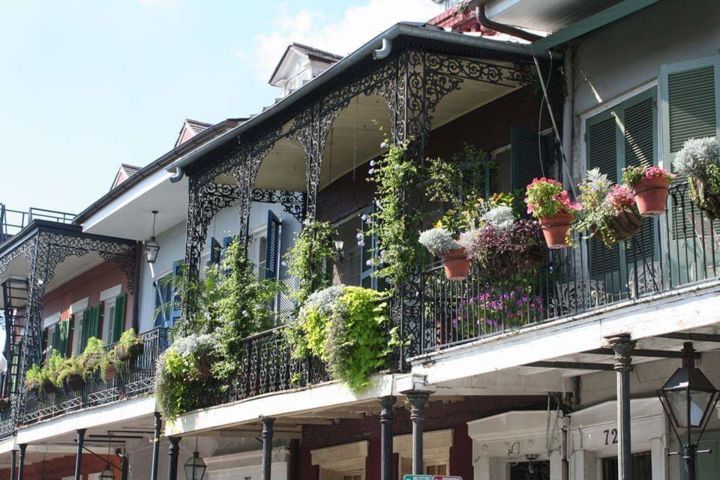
x: 292, y: 202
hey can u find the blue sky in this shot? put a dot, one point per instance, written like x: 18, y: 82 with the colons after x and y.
x: 88, y: 85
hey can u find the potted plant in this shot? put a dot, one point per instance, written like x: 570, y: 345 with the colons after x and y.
x: 552, y: 206
x: 439, y: 242
x: 504, y: 246
x: 72, y: 374
x: 129, y: 347
x: 201, y: 351
x: 699, y: 160
x: 608, y: 209
x: 97, y: 360
x: 50, y: 373
x: 650, y: 186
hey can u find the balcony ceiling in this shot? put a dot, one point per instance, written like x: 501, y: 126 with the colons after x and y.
x: 545, y: 15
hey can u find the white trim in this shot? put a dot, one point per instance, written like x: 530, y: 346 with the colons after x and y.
x: 245, y: 459
x: 342, y: 459
x: 51, y: 320
x: 110, y: 293
x: 79, y: 306
x: 616, y: 100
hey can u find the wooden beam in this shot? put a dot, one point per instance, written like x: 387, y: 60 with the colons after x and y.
x: 692, y: 337
x: 640, y: 352
x: 572, y: 365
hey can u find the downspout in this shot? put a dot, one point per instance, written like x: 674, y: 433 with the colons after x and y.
x: 483, y: 20
x: 178, y: 175
x: 384, y: 51
x: 568, y: 107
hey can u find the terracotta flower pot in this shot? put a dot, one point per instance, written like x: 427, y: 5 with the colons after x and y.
x: 456, y: 264
x: 555, y: 230
x: 650, y: 196
x: 110, y: 372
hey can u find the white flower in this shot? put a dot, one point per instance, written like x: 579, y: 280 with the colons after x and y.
x: 500, y: 217
x: 384, y: 145
x: 372, y: 163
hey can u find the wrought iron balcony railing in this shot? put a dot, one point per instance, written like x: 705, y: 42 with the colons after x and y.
x: 12, y: 221
x: 679, y: 248
x: 134, y: 378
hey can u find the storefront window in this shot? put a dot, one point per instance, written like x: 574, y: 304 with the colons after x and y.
x: 641, y: 467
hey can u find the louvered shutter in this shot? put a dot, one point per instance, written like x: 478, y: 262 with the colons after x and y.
x: 118, y: 325
x: 215, y: 251
x: 174, y: 292
x: 528, y: 160
x: 93, y: 323
x: 602, y: 133
x: 84, y: 328
x: 640, y: 148
x: 55, y: 340
x: 64, y: 328
x: 272, y: 246
x: 692, y: 108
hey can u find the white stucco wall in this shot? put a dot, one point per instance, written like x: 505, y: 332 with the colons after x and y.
x: 226, y: 223
x: 616, y: 60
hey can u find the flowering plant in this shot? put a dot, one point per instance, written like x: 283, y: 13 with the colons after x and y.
x: 635, y: 174
x: 438, y: 241
x: 545, y: 197
x: 699, y: 160
x: 496, y: 308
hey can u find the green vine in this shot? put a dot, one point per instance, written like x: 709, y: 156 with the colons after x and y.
x: 310, y: 259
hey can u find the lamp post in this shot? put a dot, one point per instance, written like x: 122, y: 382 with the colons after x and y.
x: 688, y: 399
x: 151, y: 246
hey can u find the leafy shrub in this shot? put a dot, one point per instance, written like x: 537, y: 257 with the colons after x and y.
x: 34, y: 377
x: 346, y: 327
x: 438, y: 241
x: 310, y: 259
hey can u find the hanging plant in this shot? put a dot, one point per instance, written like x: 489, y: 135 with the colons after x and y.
x: 394, y: 222
x: 73, y: 373
x: 311, y: 257
x: 129, y: 347
x: 608, y: 209
x: 699, y: 160
x: 552, y: 206
x: 347, y: 328
x: 650, y: 184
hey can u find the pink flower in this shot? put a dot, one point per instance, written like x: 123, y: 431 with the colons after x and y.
x: 657, y: 172
x: 620, y: 197
x: 565, y: 200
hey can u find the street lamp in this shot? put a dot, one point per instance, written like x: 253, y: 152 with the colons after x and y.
x: 107, y: 474
x: 688, y: 399
x: 151, y: 246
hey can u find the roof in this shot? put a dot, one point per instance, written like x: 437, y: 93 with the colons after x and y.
x: 312, y: 52
x: 178, y: 151
x: 125, y: 170
x: 196, y: 125
x: 189, y: 129
x: 418, y: 33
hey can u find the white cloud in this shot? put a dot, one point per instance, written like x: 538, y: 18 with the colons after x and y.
x: 357, y: 25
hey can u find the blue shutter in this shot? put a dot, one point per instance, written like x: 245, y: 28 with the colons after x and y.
x: 529, y: 157
x: 215, y: 252
x: 272, y: 246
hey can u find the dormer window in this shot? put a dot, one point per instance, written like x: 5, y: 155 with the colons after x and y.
x: 300, y: 64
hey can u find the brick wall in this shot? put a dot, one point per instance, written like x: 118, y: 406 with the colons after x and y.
x: 62, y: 467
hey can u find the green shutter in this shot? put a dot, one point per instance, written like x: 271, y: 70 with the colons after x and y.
x: 118, y: 325
x: 55, y: 341
x: 691, y: 105
x: 64, y: 328
x: 84, y: 322
x: 602, y: 133
x: 528, y: 159
x: 94, y: 325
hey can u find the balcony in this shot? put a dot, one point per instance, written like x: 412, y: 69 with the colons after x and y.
x: 134, y: 378
x: 677, y: 249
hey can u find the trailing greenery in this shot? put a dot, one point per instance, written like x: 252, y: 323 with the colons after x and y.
x: 346, y: 327
x: 179, y: 376
x: 310, y: 259
x: 699, y: 160
x: 394, y: 223
x: 129, y: 345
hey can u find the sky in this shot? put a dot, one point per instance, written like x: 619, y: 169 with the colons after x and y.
x: 88, y: 85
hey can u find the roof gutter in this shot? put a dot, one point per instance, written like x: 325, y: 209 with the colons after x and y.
x: 382, y: 44
x: 483, y: 19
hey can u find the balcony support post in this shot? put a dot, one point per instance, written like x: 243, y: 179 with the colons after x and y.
x: 267, y: 438
x: 174, y: 452
x: 156, y: 446
x: 21, y: 468
x: 623, y: 347
x: 79, y: 454
x: 13, y: 463
x: 386, y: 437
x: 417, y: 417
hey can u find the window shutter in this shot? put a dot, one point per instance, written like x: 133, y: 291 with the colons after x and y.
x: 92, y: 323
x: 272, y: 246
x: 84, y: 329
x: 118, y: 325
x: 174, y: 292
x: 64, y: 328
x: 528, y: 160
x: 692, y: 108
x: 602, y: 154
x: 215, y: 251
x: 55, y: 341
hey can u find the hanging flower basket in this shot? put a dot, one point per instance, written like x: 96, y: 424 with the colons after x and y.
x: 456, y: 264
x: 705, y: 197
x: 48, y: 386
x: 651, y: 195
x: 699, y: 161
x: 625, y: 224
x: 110, y: 372
x: 555, y: 230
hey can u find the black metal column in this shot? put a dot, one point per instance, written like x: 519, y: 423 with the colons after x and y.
x: 21, y: 468
x: 79, y: 454
x: 267, y: 437
x: 623, y: 347
x: 386, y: 437
x: 174, y: 452
x: 13, y: 463
x: 156, y: 447
x: 417, y: 416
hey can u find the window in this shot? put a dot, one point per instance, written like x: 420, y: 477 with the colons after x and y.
x: 168, y: 305
x: 624, y: 135
x: 528, y: 156
x: 113, y: 319
x: 641, y: 467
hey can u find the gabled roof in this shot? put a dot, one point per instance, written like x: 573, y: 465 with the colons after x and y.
x: 124, y: 173
x: 311, y: 52
x: 189, y: 129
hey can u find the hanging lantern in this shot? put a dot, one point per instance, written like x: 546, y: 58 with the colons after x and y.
x: 151, y: 246
x: 195, y: 467
x: 107, y: 474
